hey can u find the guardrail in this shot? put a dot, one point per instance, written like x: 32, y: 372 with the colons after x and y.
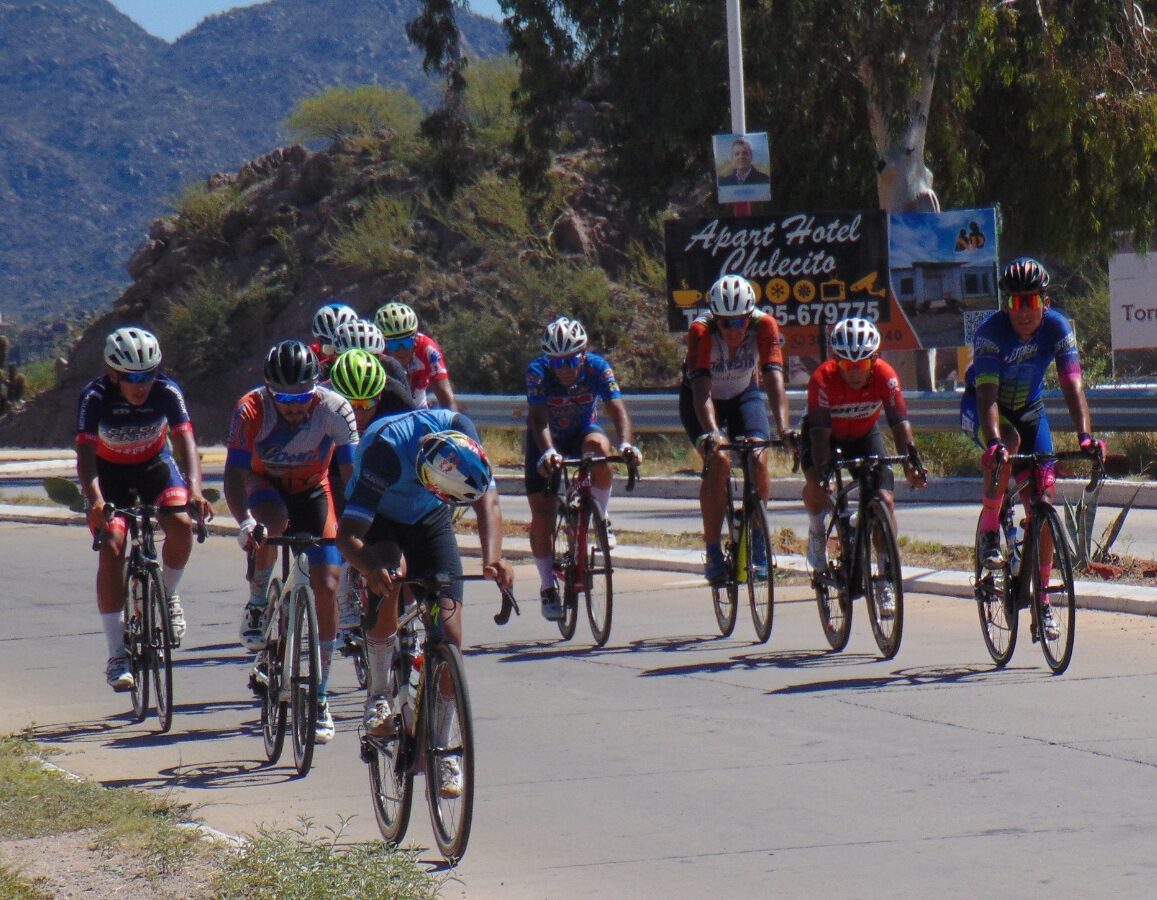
x: 1113, y: 409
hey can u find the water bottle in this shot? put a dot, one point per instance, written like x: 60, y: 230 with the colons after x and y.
x: 1014, y: 537
x: 416, y: 671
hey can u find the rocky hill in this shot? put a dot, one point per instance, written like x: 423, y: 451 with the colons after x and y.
x: 103, y: 124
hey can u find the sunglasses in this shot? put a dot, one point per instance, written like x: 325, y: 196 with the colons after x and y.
x: 368, y: 403
x: 564, y: 362
x: 406, y: 343
x: 293, y: 399
x: 138, y: 377
x: 732, y: 322
x: 1025, y: 301
x: 859, y: 365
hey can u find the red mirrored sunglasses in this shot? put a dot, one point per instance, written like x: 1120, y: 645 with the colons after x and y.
x: 1026, y: 301
x: 858, y: 365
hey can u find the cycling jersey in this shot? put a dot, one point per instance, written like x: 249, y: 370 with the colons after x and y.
x: 427, y: 364
x: 385, y: 481
x: 128, y: 434
x: 1018, y: 366
x: 295, y: 458
x: 572, y: 409
x: 850, y: 412
x: 732, y: 373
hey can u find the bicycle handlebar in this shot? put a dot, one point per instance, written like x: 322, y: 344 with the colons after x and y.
x: 748, y: 444
x: 588, y: 461
x: 1036, y: 458
x: 440, y: 581
x: 140, y: 510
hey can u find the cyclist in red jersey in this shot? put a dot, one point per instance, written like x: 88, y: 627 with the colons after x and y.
x: 418, y: 353
x: 326, y: 322
x: 845, y: 398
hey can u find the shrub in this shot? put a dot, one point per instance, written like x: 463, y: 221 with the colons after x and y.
x: 201, y: 212
x: 343, y: 112
x: 380, y: 240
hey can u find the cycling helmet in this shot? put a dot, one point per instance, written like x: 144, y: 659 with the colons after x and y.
x: 326, y: 320
x: 1024, y: 275
x: 732, y: 295
x: 357, y: 375
x: 132, y: 350
x: 291, y: 368
x: 854, y: 339
x: 396, y: 320
x: 360, y: 334
x: 564, y: 337
x: 453, y: 467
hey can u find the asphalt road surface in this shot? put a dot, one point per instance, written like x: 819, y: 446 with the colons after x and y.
x: 671, y: 764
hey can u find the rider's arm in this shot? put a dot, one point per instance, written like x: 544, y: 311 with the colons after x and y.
x: 538, y: 424
x: 445, y: 393
x: 236, y: 495
x: 701, y: 403
x: 771, y: 369
x: 185, y: 452
x: 821, y: 446
x: 1073, y: 389
x: 777, y: 399
x: 489, y: 516
x: 351, y: 535
x: 987, y: 412
x: 617, y: 410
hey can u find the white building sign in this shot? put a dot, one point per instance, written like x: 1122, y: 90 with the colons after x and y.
x: 1133, y: 301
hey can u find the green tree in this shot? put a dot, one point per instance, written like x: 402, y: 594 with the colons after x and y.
x: 343, y: 112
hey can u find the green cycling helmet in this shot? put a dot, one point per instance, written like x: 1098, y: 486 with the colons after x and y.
x: 357, y: 375
x: 396, y: 320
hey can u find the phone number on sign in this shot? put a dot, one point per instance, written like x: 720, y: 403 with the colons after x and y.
x: 827, y: 312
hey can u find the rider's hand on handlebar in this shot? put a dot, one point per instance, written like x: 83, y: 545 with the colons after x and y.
x: 632, y: 454
x: 245, y: 533
x: 1091, y: 446
x: 95, y: 517
x: 501, y: 573
x: 549, y: 462
x: 708, y: 441
x: 995, y: 455
x: 917, y: 478
x: 203, y: 509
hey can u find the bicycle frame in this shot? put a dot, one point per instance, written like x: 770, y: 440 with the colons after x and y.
x: 863, y: 480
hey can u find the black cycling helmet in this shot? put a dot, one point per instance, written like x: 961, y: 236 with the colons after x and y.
x: 291, y: 368
x: 1024, y: 275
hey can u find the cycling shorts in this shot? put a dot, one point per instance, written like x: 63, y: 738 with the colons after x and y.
x: 309, y: 512
x: 571, y: 446
x: 157, y: 481
x: 1031, y: 423
x: 871, y: 444
x: 429, y: 545
x: 744, y: 415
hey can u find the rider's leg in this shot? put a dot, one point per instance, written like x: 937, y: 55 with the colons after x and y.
x: 596, y: 443
x: 110, y: 586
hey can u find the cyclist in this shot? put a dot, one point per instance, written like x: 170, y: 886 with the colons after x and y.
x: 325, y: 324
x: 1003, y: 406
x: 845, y: 398
x: 563, y: 388
x: 360, y: 334
x: 409, y: 469
x: 124, y: 420
x: 418, y: 353
x: 725, y: 348
x: 281, y: 439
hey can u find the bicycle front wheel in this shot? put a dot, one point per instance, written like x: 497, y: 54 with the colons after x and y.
x: 831, y: 587
x: 597, y: 580
x: 304, y: 658
x: 136, y: 639
x: 995, y: 592
x: 564, y: 571
x: 884, y: 583
x: 760, y: 568
x: 273, y: 710
x: 159, y: 650
x: 1053, y: 591
x: 391, y: 776
x: 449, y: 734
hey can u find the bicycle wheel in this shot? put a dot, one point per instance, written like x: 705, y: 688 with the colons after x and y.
x: 760, y: 584
x: 273, y: 711
x: 159, y: 650
x: 391, y: 776
x: 564, y: 572
x: 449, y: 733
x: 304, y: 659
x: 831, y: 588
x: 597, y: 580
x: 884, y: 580
x: 1057, y: 592
x: 136, y: 627
x: 995, y: 593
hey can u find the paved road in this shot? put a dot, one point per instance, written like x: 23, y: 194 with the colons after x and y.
x: 672, y: 764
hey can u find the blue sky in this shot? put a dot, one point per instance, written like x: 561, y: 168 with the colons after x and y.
x: 169, y: 19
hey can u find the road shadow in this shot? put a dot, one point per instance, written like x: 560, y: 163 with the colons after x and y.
x: 214, y: 776
x: 780, y: 659
x: 921, y: 676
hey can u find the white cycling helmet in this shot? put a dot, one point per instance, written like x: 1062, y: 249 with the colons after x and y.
x: 132, y: 350
x: 361, y: 334
x: 854, y: 339
x: 732, y: 295
x: 326, y: 320
x: 564, y: 337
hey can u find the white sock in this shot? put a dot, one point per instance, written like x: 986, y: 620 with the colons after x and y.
x: 545, y: 566
x: 171, y: 578
x: 379, y: 658
x: 114, y: 632
x: 601, y: 496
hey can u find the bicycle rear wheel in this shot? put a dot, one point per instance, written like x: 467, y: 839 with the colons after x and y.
x: 304, y: 659
x: 831, y: 587
x: 1057, y: 593
x: 449, y: 736
x: 159, y: 650
x: 995, y: 593
x: 391, y: 776
x: 597, y: 580
x: 759, y: 569
x: 884, y: 580
x: 136, y: 628
x: 564, y: 571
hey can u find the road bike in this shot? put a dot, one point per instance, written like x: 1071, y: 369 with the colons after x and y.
x: 433, y: 728
x: 582, y: 551
x: 863, y: 559
x: 747, y: 550
x: 287, y: 671
x: 149, y: 643
x: 1036, y: 568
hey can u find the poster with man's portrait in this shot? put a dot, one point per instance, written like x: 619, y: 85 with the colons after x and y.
x: 742, y: 167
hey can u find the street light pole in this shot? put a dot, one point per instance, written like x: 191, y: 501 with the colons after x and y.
x: 735, y: 71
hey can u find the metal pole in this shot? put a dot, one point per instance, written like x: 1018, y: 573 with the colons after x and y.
x: 735, y: 66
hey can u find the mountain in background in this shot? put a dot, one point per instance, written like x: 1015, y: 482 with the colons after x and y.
x: 104, y: 124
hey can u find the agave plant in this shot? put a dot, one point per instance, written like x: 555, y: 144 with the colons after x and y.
x: 1079, y: 519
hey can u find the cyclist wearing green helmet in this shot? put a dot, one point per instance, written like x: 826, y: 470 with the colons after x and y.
x: 374, y: 387
x: 422, y: 358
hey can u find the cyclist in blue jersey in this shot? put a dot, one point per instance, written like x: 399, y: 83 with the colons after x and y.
x: 1004, y: 407
x: 125, y: 420
x: 410, y: 468
x: 563, y: 388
